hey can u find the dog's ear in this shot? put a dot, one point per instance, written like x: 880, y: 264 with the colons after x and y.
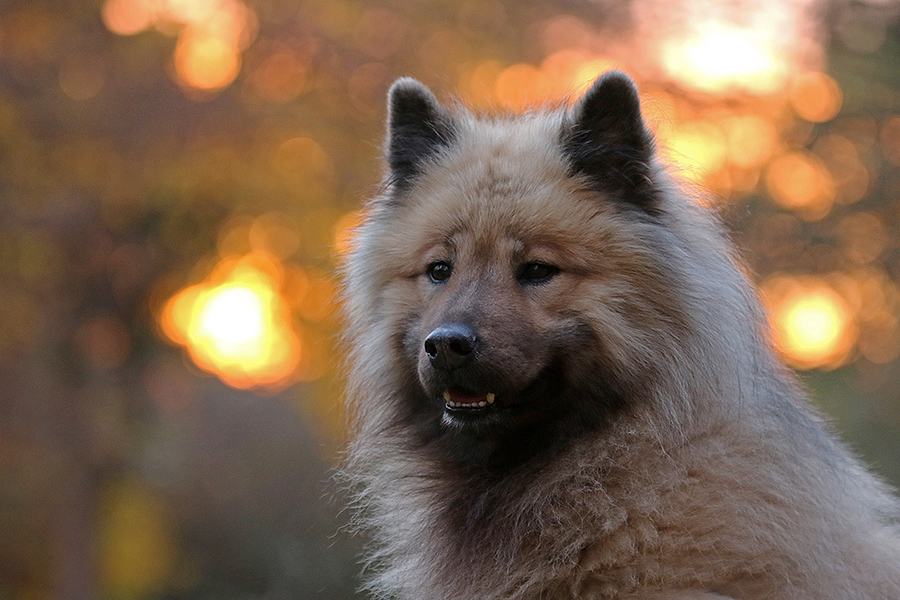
x: 606, y: 140
x: 418, y: 127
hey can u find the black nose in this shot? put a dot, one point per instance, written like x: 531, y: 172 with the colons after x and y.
x: 450, y: 346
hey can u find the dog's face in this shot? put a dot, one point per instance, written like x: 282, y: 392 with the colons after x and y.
x: 495, y: 282
x: 520, y: 285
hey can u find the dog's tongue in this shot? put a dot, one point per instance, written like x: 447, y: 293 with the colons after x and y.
x: 461, y: 398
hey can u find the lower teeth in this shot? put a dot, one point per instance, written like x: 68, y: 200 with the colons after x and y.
x: 489, y: 399
x: 452, y: 404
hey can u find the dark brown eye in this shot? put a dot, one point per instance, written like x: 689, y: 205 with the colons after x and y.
x: 535, y: 272
x: 439, y: 272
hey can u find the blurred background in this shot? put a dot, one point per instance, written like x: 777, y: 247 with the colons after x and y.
x: 178, y: 179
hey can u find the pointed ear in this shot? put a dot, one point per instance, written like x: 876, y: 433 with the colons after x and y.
x: 418, y: 127
x: 607, y: 142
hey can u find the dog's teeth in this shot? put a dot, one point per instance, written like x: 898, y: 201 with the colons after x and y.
x: 488, y: 399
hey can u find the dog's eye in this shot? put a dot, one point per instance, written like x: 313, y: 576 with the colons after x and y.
x: 439, y: 272
x: 536, y: 272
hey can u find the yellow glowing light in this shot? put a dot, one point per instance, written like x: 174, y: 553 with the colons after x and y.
x: 232, y: 318
x: 229, y: 20
x: 697, y: 149
x: 590, y: 70
x: 127, y: 17
x: 238, y: 328
x: 570, y: 72
x: 720, y: 58
x: 479, y: 83
x: 813, y: 323
x: 211, y: 35
x: 206, y: 62
x: 813, y: 326
x: 816, y: 97
x: 751, y: 139
x: 521, y: 86
x: 193, y: 11
x: 800, y: 181
x: 842, y: 158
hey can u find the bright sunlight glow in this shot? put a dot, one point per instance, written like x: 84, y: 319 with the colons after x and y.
x: 238, y: 328
x: 814, y: 324
x: 720, y: 58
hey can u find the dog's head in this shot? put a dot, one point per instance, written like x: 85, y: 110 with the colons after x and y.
x: 517, y: 274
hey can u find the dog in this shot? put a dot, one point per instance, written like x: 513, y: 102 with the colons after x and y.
x: 563, y: 385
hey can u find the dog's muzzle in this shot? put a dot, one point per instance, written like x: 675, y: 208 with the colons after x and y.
x: 451, y: 346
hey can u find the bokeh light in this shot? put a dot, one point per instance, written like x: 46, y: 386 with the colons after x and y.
x: 697, y: 149
x: 281, y: 76
x: 521, y: 86
x: 211, y: 35
x: 206, y: 62
x: 236, y: 325
x: 719, y: 58
x: 815, y: 97
x: 138, y: 545
x: 127, y: 17
x: 813, y: 324
x: 799, y: 181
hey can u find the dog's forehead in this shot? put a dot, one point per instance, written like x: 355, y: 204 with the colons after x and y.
x: 526, y: 149
x: 501, y: 176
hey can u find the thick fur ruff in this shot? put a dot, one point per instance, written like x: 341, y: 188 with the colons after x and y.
x: 645, y: 443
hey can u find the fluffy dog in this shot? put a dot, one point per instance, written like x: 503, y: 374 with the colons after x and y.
x: 564, y: 386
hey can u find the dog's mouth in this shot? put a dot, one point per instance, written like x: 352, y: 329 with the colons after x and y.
x: 463, y: 405
x: 484, y: 401
x: 456, y: 399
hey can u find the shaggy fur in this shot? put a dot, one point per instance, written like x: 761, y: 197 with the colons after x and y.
x: 645, y: 442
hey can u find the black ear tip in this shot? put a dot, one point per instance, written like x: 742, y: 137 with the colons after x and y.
x: 614, y: 85
x: 615, y: 75
x: 406, y: 86
x: 407, y: 92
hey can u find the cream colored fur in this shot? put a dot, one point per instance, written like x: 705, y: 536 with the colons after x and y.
x: 720, y: 483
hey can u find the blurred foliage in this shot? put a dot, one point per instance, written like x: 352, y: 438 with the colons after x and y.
x: 156, y: 153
